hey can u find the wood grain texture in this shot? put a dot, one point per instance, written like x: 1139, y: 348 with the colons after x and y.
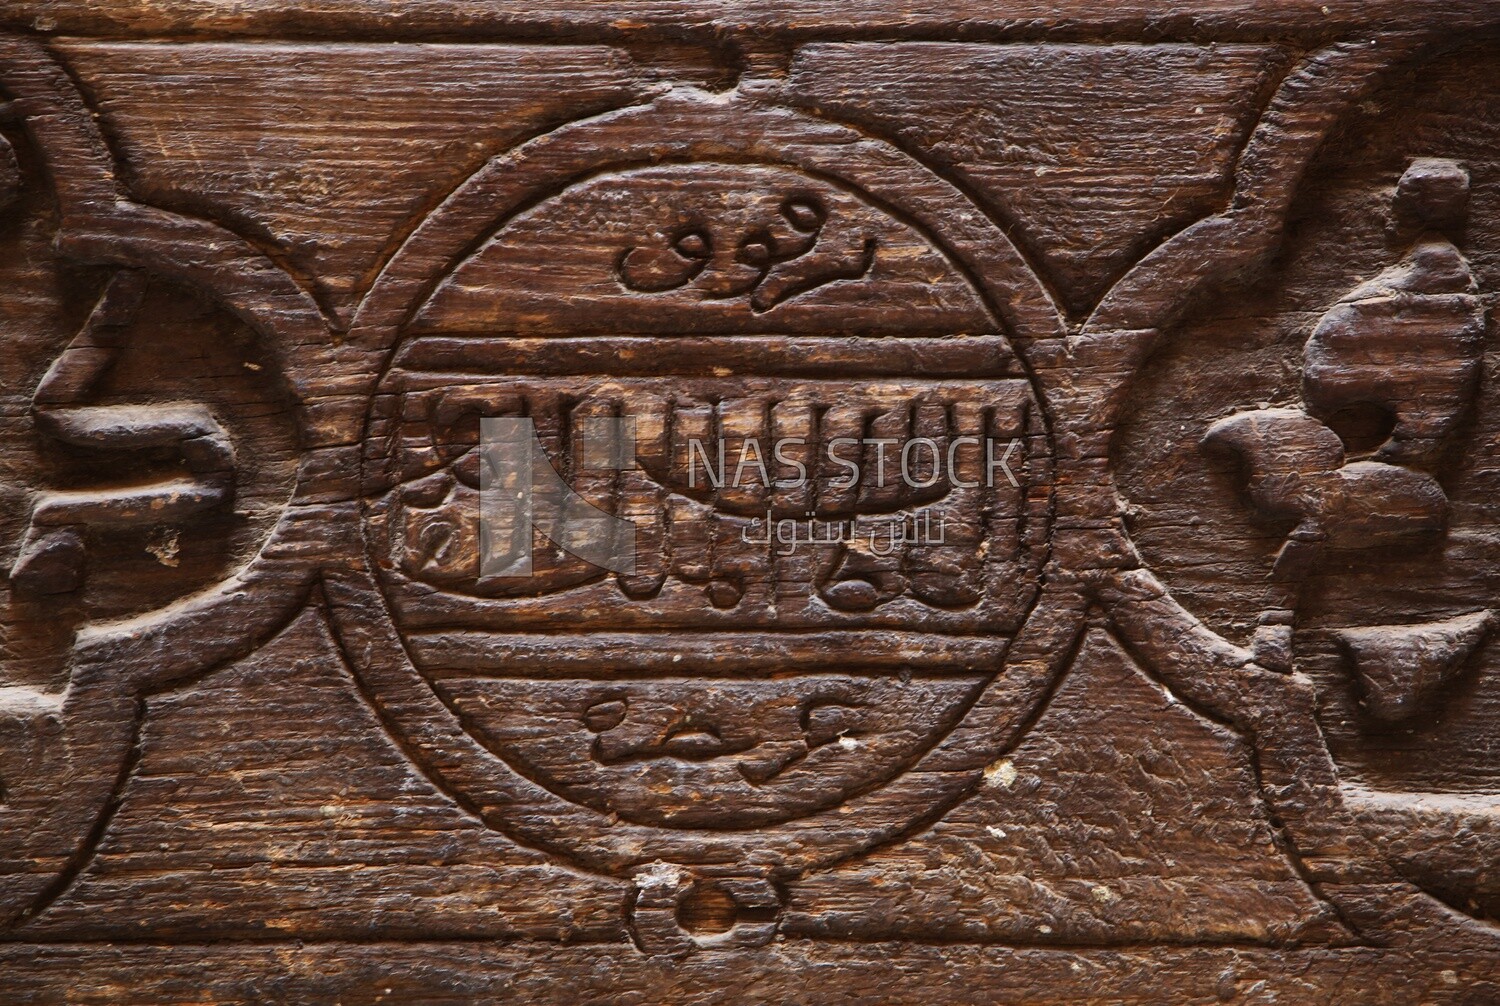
x: 1136, y: 20
x: 794, y: 503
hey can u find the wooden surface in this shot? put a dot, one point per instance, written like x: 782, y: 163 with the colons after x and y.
x: 1195, y: 698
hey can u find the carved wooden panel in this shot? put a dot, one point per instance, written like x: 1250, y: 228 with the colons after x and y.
x: 806, y: 503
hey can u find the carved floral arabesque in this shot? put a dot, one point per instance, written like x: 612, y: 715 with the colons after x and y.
x: 1409, y: 346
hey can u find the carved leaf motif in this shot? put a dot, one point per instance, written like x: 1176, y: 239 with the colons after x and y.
x: 1398, y: 666
x: 1406, y: 345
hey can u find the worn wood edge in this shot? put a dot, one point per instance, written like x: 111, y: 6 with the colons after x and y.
x: 711, y: 23
x: 895, y: 974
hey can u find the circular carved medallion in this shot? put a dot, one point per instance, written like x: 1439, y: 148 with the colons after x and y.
x: 834, y: 483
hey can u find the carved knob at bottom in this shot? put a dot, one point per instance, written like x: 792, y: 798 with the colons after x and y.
x: 676, y: 911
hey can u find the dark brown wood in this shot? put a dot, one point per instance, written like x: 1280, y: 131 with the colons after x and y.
x: 1014, y: 495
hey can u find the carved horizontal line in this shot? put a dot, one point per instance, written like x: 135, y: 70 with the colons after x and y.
x: 648, y: 356
x: 705, y: 654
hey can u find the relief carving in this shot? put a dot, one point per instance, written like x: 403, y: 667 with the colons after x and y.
x: 52, y: 555
x: 825, y: 567
x: 1393, y: 366
x: 771, y: 260
x: 877, y: 399
x: 1337, y: 443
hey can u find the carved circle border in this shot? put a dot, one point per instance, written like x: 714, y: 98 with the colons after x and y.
x: 95, y: 729
x: 687, y: 126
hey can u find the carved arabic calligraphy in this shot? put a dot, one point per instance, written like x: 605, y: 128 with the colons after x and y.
x: 772, y: 260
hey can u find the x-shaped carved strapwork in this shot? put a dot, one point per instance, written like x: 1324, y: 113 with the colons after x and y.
x: 53, y: 553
